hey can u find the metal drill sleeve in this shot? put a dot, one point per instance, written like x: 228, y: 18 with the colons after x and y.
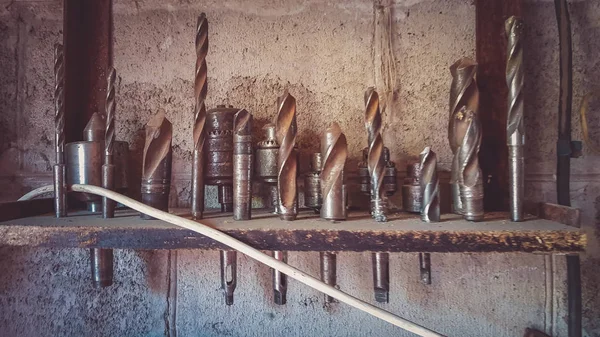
x: 287, y: 158
x: 60, y: 187
x: 430, y: 211
x: 199, y: 132
x: 334, y: 151
x: 375, y: 160
x: 242, y: 165
x: 515, y: 128
x: 471, y: 184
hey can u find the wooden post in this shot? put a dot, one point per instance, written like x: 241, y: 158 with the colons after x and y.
x: 491, y: 78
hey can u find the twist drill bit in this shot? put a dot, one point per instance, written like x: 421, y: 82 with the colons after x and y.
x: 60, y: 188
x: 108, y: 169
x: 375, y: 159
x: 287, y: 158
x: 156, y: 170
x: 312, y: 186
x: 471, y: 184
x: 376, y: 167
x: 430, y: 206
x: 200, y: 91
x: 464, y: 96
x: 334, y: 152
x: 515, y: 128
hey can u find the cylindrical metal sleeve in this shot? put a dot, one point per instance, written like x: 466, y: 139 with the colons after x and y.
x: 102, y: 267
x: 108, y: 182
x: 280, y: 280
x: 228, y: 274
x: 60, y: 191
x: 381, y: 276
x: 516, y: 182
x: 242, y: 180
x: 329, y: 271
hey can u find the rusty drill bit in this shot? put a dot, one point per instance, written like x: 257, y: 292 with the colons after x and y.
x: 287, y: 157
x: 60, y: 188
x: 376, y: 166
x: 464, y: 96
x: 156, y: 170
x: 375, y: 159
x: 471, y: 184
x: 430, y: 206
x: 200, y: 91
x: 334, y: 152
x: 108, y: 169
x: 515, y: 128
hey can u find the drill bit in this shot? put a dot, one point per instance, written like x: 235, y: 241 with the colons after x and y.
x: 156, y: 169
x: 108, y: 169
x: 430, y: 206
x: 376, y: 167
x: 464, y: 96
x: 228, y: 274
x: 334, y: 152
x: 280, y: 280
x: 375, y: 159
x: 200, y: 91
x: 312, y: 186
x: 287, y: 157
x: 515, y: 128
x: 471, y: 184
x: 60, y: 188
x: 242, y: 165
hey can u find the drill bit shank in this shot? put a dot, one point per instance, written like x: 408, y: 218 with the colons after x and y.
x: 280, y: 280
x: 329, y: 271
x: 228, y: 274
x: 60, y: 188
x: 199, y: 132
x: 464, y: 97
x: 156, y: 170
x: 430, y: 206
x: 334, y: 151
x: 375, y: 159
x: 287, y: 158
x: 108, y: 169
x: 471, y: 184
x: 515, y: 128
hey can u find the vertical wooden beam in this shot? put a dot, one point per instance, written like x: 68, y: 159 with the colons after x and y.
x: 87, y: 34
x: 491, y: 78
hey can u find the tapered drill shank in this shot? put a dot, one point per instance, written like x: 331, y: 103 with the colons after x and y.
x: 156, y: 170
x: 464, y: 97
x: 334, y: 152
x: 430, y: 206
x: 228, y: 274
x: 59, y: 170
x: 381, y: 276
x: 515, y: 127
x: 328, y: 271
x: 279, y: 280
x: 199, y: 129
x: 471, y: 183
x: 287, y: 157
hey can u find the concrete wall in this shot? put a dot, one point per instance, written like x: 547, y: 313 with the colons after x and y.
x: 325, y: 54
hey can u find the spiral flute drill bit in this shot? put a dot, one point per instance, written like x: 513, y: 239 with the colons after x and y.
x: 471, y: 184
x: 60, y: 188
x: 464, y: 97
x: 515, y: 128
x: 430, y: 205
x: 334, y: 152
x: 200, y: 91
x: 376, y: 166
x: 108, y: 169
x: 287, y: 158
x: 156, y: 169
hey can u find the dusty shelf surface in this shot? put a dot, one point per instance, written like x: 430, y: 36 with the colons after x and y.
x: 403, y: 232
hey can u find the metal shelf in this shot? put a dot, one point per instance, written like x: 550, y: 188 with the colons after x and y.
x: 403, y: 233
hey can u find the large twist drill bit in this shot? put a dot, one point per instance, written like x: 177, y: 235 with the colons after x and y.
x: 334, y: 152
x: 515, y: 128
x: 430, y: 206
x: 376, y: 166
x: 108, y: 169
x: 156, y: 169
x: 60, y: 188
x: 200, y: 91
x: 464, y: 96
x: 287, y: 171
x: 471, y: 184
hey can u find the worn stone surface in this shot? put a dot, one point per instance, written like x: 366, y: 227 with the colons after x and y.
x: 325, y: 54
